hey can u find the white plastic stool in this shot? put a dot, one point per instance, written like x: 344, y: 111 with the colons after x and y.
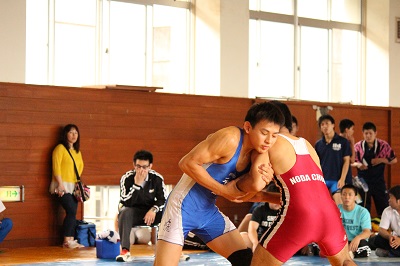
x: 144, y: 234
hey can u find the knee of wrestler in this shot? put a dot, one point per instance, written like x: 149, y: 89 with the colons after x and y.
x: 241, y: 257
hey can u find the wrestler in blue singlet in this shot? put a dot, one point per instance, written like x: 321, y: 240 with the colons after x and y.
x: 191, y: 207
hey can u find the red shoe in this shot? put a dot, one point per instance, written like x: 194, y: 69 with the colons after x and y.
x: 124, y: 251
x: 125, y: 256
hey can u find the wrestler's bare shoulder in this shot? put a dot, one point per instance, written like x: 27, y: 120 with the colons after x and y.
x: 227, y: 133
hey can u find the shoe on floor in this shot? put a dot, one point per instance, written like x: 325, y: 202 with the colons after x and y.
x: 382, y: 252
x: 184, y: 257
x: 124, y: 256
x: 72, y: 244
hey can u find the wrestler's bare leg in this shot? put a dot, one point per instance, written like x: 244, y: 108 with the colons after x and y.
x: 167, y: 254
x: 219, y: 244
x: 342, y: 258
x: 262, y: 257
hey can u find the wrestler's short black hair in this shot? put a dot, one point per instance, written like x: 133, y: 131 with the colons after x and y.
x: 286, y: 113
x: 264, y: 111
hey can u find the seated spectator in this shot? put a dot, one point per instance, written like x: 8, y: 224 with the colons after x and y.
x: 262, y: 217
x: 5, y: 223
x: 244, y: 224
x: 387, y: 243
x: 356, y: 221
x: 141, y: 199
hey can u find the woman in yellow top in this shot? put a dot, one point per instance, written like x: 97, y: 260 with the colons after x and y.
x: 64, y: 179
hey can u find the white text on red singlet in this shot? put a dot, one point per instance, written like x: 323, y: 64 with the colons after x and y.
x: 306, y: 178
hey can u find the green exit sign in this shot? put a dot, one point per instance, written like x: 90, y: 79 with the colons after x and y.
x: 12, y: 193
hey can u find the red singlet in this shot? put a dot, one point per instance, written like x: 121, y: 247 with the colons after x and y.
x: 308, y: 213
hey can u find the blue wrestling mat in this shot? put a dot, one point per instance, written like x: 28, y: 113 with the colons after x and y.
x: 211, y: 259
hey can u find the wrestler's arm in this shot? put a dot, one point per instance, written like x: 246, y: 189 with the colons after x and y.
x: 264, y: 196
x: 219, y: 148
x: 255, y: 180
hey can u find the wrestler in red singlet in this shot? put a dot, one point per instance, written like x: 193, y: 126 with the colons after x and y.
x: 308, y: 213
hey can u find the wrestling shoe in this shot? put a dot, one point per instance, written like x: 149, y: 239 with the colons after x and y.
x: 72, y: 244
x: 382, y: 252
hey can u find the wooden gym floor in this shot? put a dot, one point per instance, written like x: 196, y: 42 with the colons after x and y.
x: 34, y: 255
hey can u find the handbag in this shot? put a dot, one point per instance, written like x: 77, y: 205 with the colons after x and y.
x: 81, y: 191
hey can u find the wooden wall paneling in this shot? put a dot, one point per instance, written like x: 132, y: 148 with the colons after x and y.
x: 395, y: 144
x: 113, y: 125
x: 307, y: 122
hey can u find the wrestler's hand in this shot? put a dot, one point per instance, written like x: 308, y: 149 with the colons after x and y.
x: 231, y: 192
x: 267, y: 173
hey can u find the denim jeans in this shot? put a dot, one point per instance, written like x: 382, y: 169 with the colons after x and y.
x: 5, y: 227
x: 70, y: 205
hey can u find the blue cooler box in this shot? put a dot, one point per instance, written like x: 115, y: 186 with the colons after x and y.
x: 106, y: 249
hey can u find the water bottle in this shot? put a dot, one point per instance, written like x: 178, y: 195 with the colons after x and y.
x: 360, y: 183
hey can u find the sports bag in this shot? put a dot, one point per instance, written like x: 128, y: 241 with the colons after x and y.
x: 85, y: 233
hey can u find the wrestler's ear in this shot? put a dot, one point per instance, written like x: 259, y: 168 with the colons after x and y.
x: 247, y: 126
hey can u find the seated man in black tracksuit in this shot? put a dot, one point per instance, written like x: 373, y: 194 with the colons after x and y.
x: 142, y: 199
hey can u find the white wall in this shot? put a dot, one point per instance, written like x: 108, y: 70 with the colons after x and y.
x: 235, y: 48
x: 377, y: 53
x: 207, y: 66
x: 394, y: 52
x: 382, y: 54
x: 12, y: 44
x: 221, y: 48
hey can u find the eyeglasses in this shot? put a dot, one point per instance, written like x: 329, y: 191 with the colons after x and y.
x: 144, y: 167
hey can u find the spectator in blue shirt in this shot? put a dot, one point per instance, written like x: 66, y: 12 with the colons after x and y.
x: 356, y: 221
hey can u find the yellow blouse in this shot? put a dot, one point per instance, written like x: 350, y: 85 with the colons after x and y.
x: 64, y: 166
